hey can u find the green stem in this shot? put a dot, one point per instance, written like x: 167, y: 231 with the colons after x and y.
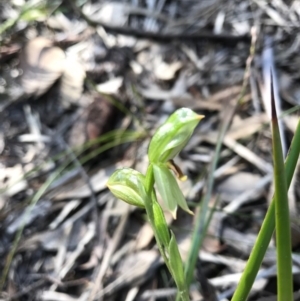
x: 184, y: 295
x: 149, y: 209
x: 267, y: 228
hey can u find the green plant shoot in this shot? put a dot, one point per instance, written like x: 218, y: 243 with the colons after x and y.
x: 138, y: 190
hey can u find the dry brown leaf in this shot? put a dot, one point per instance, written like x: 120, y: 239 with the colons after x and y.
x: 6, y: 52
x: 295, y: 232
x: 48, y: 240
x: 12, y: 180
x: 95, y: 120
x: 72, y: 80
x: 213, y: 244
x: 92, y: 262
x: 165, y: 71
x: 112, y: 86
x: 42, y: 64
x: 38, y: 211
x: 113, y: 14
x: 135, y: 268
x: 144, y: 237
x: 146, y: 234
x: 291, y: 122
x: 86, y: 237
x: 79, y: 188
x: 243, y: 128
x: 55, y: 296
x: 237, y: 184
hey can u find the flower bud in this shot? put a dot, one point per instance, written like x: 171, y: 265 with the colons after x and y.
x: 173, y: 135
x: 128, y: 185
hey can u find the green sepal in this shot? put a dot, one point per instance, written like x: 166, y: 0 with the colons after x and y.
x: 128, y: 185
x: 169, y: 190
x: 171, y: 137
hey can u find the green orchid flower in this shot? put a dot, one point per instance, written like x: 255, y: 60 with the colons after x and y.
x: 128, y: 185
x: 166, y: 143
x: 173, y: 135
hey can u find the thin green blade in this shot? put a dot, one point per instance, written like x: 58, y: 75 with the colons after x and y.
x: 282, y: 216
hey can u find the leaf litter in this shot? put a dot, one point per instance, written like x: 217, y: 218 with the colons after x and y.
x: 83, y: 85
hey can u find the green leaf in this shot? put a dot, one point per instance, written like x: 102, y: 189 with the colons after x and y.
x: 176, y: 263
x: 128, y: 185
x: 267, y: 228
x: 160, y: 225
x: 169, y: 190
x: 283, y: 226
x: 173, y: 135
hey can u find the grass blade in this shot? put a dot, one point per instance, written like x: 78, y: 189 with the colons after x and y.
x: 201, y: 219
x: 282, y: 216
x: 267, y: 228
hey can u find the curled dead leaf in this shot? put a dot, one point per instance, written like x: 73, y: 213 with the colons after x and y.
x: 42, y: 64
